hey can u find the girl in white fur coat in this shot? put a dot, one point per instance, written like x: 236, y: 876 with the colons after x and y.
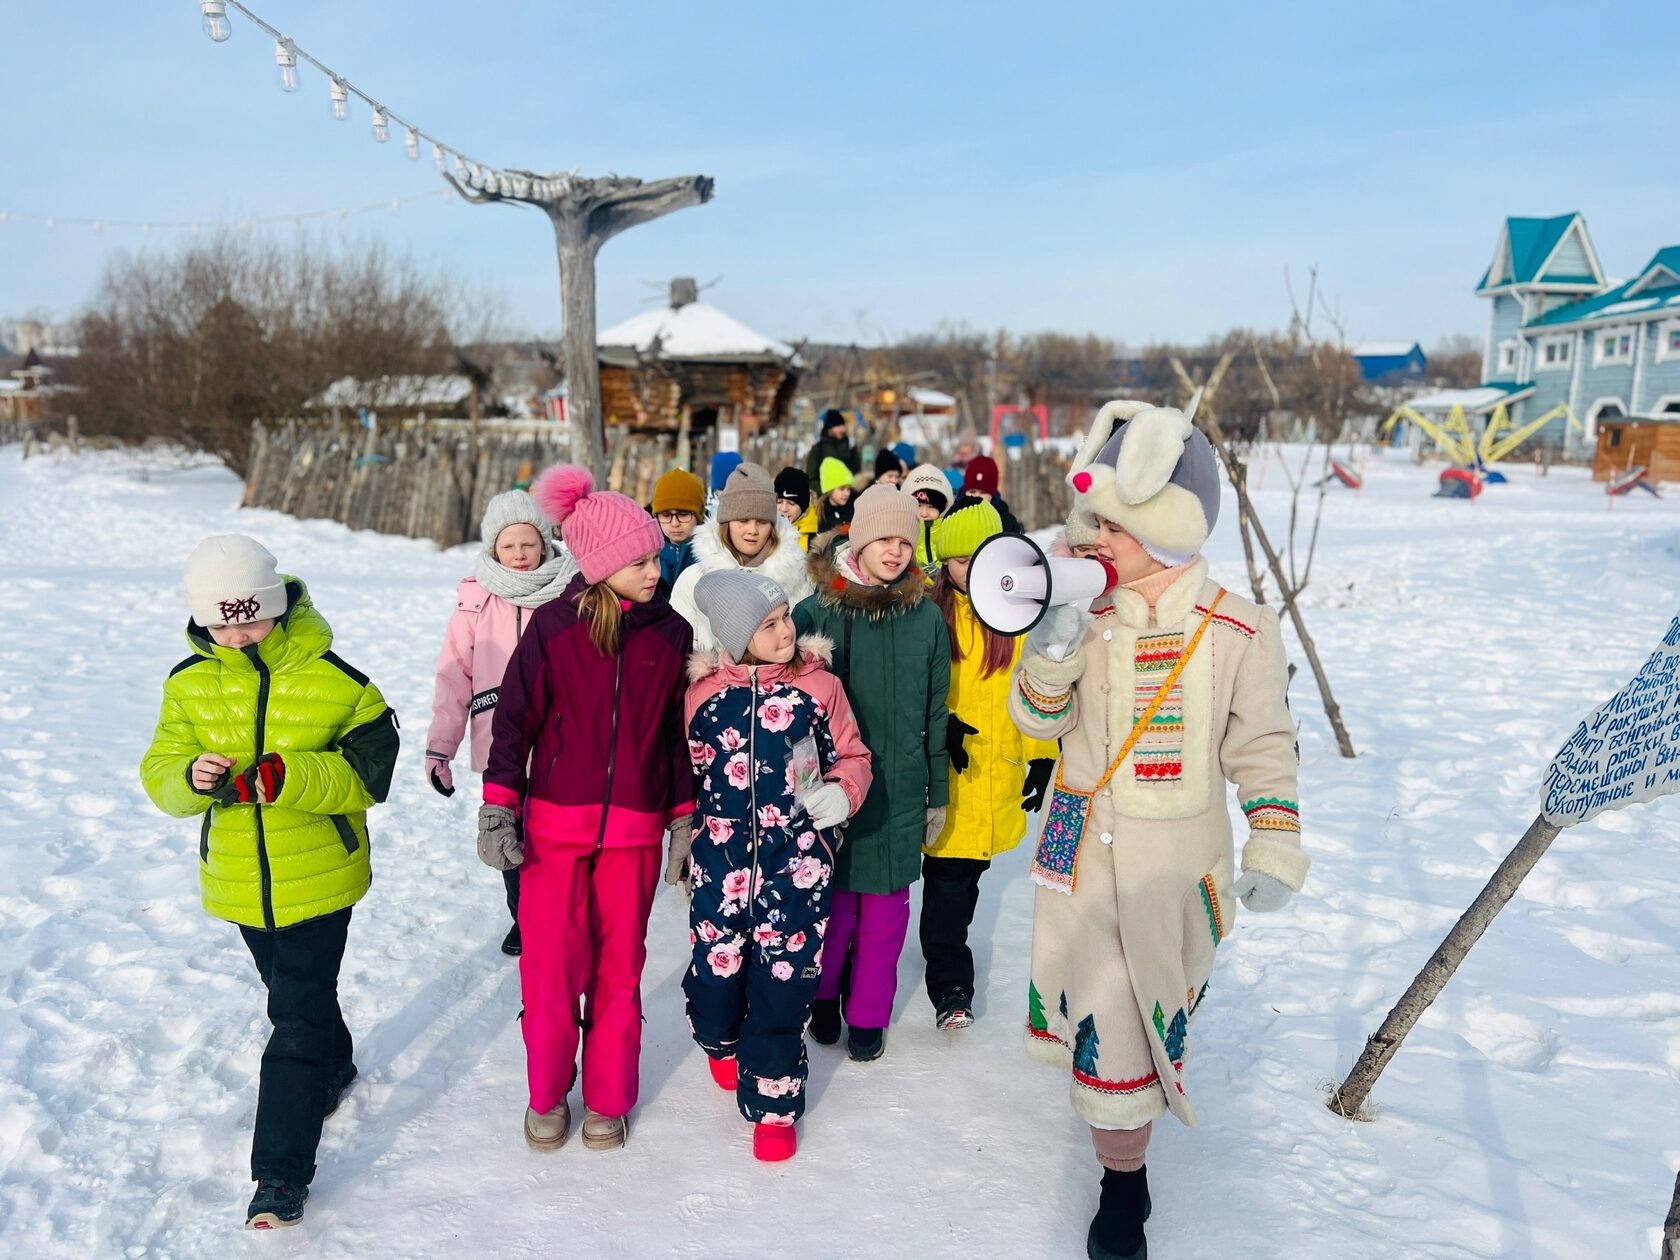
x: 745, y: 532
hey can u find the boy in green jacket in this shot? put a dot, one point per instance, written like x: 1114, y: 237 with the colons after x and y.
x: 281, y: 747
x: 893, y: 654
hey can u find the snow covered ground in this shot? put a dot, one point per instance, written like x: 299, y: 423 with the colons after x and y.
x: 1532, y: 1115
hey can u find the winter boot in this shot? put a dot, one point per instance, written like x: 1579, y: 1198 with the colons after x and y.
x: 512, y: 946
x: 825, y: 1021
x: 953, y: 1011
x: 865, y: 1045
x: 772, y: 1143
x: 276, y: 1205
x: 724, y: 1072
x: 338, y: 1084
x: 547, y: 1130
x: 604, y: 1133
x: 1117, y: 1230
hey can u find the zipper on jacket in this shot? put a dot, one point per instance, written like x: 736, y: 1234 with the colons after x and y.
x: 752, y: 781
x: 612, y: 749
x: 262, y: 737
x: 518, y: 622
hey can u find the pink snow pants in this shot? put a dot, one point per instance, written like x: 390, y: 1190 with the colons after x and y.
x: 872, y: 926
x: 583, y: 916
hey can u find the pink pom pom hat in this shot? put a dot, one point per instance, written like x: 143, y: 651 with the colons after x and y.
x: 604, y: 531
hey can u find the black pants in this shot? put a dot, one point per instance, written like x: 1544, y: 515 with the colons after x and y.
x: 950, y: 891
x: 299, y: 967
x: 510, y: 881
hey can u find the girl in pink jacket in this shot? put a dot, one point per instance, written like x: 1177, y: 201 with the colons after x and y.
x: 520, y: 568
x: 782, y: 766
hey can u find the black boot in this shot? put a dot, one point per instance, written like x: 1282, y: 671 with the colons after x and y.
x: 511, y: 944
x: 865, y: 1045
x: 825, y: 1021
x: 337, y: 1085
x: 1117, y: 1230
x: 275, y: 1205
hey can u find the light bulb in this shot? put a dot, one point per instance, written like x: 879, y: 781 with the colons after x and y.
x: 340, y: 99
x: 472, y: 174
x: 437, y: 155
x: 412, y: 144
x: 285, y: 56
x: 521, y: 186
x: 216, y: 24
x: 381, y: 128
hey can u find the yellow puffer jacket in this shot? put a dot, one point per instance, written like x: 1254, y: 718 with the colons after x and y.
x: 807, y: 525
x: 306, y: 854
x: 985, y: 817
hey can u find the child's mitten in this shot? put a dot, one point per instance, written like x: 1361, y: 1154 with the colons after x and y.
x: 828, y: 806
x: 499, y: 845
x: 935, y: 824
x: 1039, y: 770
x: 259, y: 784
x: 682, y: 844
x: 957, y: 730
x: 439, y: 775
x: 1261, y: 892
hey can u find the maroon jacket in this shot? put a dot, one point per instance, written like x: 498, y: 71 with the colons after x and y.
x: 603, y: 735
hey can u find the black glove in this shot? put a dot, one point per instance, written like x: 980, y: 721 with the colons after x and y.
x: 957, y: 730
x: 1039, y: 770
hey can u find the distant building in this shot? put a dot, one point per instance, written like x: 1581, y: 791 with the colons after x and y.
x: 1391, y: 362
x: 1560, y: 332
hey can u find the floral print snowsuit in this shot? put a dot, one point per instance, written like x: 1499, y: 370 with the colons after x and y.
x: 761, y: 868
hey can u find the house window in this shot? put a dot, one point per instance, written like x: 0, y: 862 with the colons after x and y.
x: 1615, y: 345
x: 1668, y: 340
x: 1553, y: 353
x: 1507, y: 356
x: 1615, y: 436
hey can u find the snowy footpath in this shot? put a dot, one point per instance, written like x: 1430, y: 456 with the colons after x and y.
x: 1535, y: 1113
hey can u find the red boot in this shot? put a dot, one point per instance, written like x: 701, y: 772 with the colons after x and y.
x: 773, y: 1143
x: 724, y: 1072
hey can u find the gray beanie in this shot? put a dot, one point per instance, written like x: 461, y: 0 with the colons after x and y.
x: 748, y: 495
x: 734, y: 602
x: 512, y: 507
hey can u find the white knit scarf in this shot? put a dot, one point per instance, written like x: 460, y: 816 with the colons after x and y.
x: 532, y: 588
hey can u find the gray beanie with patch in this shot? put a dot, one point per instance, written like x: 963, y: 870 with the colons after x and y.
x: 512, y: 507
x: 734, y: 602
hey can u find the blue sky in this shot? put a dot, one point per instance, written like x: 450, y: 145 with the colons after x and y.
x: 1140, y: 171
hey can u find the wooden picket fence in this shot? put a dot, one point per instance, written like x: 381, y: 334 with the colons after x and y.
x: 426, y: 478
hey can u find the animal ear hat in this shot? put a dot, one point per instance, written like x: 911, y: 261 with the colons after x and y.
x: 1152, y: 473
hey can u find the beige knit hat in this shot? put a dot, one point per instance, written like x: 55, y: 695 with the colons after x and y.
x: 883, y: 512
x: 1081, y: 529
x: 748, y: 495
x: 232, y: 580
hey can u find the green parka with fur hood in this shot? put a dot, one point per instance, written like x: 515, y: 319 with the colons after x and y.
x: 306, y: 854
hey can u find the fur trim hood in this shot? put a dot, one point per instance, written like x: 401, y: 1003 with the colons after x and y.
x: 785, y: 566
x: 834, y: 589
x: 817, y: 649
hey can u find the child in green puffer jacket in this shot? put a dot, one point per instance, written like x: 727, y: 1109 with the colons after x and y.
x: 282, y: 748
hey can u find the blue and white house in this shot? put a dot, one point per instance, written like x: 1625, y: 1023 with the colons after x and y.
x: 1559, y: 331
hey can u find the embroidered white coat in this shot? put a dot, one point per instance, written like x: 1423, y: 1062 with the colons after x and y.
x: 785, y: 566
x: 1121, y: 964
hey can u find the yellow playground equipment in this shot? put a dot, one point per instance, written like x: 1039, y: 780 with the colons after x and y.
x: 1454, y: 438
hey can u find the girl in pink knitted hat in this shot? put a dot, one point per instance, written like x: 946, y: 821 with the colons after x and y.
x: 588, y: 770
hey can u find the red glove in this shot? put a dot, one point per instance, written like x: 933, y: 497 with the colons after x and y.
x: 267, y: 773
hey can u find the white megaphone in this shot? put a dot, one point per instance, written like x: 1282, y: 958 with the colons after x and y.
x: 1012, y: 583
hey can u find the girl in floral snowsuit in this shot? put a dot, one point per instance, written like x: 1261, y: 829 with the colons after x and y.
x: 762, y: 858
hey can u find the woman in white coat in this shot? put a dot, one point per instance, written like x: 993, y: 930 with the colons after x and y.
x: 744, y: 532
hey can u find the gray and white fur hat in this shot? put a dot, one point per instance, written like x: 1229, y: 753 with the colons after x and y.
x: 512, y: 507
x: 735, y: 602
x: 1152, y: 473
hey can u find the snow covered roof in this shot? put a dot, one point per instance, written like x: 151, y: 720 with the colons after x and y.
x: 696, y: 330
x: 394, y: 391
x: 1474, y: 401
x: 1384, y: 349
x: 930, y: 397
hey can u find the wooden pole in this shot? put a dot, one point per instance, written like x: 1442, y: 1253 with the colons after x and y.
x: 586, y: 214
x: 1671, y: 1226
x: 1349, y: 1098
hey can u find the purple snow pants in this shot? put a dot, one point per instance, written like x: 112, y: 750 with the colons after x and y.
x: 872, y: 926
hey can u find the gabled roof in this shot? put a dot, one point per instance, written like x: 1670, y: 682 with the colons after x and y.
x: 1527, y: 247
x: 1654, y: 291
x: 695, y: 330
x: 394, y: 391
x: 1386, y: 349
x: 1478, y: 401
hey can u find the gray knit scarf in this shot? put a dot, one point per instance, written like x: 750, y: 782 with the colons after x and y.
x: 532, y: 589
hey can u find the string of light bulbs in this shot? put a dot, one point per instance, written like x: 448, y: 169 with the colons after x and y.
x: 288, y: 56
x: 52, y: 222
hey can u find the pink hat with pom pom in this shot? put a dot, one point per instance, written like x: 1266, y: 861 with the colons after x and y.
x: 604, y: 531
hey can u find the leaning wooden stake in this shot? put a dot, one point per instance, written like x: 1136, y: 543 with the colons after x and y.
x: 1332, y: 710
x: 1349, y: 1098
x: 1671, y: 1227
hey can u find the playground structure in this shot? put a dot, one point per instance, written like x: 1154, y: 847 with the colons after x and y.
x: 1454, y: 438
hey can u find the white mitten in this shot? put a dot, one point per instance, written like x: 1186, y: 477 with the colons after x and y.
x: 1059, y: 632
x: 1260, y: 892
x: 828, y: 806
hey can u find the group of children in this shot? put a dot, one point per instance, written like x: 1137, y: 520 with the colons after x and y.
x: 794, y: 723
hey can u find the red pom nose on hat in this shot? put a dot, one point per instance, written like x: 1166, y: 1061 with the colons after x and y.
x: 1082, y: 481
